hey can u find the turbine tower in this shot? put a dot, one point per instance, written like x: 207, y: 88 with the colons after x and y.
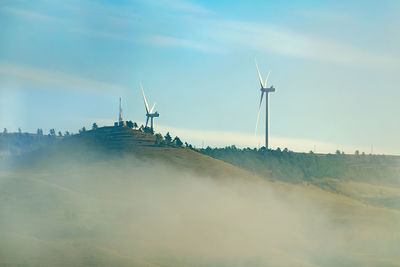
x: 265, y: 90
x: 149, y: 113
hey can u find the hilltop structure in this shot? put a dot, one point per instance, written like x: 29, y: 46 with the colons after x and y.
x: 120, y: 121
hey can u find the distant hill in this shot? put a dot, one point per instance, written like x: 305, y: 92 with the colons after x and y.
x: 21, y: 143
x: 373, y: 179
x: 298, y: 167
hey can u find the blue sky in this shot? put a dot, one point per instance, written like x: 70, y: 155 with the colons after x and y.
x: 64, y: 64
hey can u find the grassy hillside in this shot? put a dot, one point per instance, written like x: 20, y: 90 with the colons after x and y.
x: 297, y: 167
x: 112, y: 143
x: 112, y: 197
x: 373, y: 179
x: 132, y: 213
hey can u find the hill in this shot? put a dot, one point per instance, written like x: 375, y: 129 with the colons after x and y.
x: 372, y: 179
x: 112, y: 197
x: 110, y: 143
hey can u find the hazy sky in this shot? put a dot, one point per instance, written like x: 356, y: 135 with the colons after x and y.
x: 335, y: 65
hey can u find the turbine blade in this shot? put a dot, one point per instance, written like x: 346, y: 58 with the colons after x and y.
x: 259, y: 75
x: 151, y: 110
x: 266, y: 80
x: 144, y: 99
x: 259, y: 111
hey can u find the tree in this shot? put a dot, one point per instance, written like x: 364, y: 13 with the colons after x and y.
x: 177, y: 141
x: 129, y: 124
x: 357, y: 153
x: 262, y: 150
x: 39, y: 132
x: 148, y: 130
x: 59, y: 133
x: 82, y: 130
x: 5, y: 131
x: 19, y: 130
x: 52, y: 132
x: 67, y: 133
x: 159, y: 139
x: 337, y: 152
x: 168, y: 138
x: 94, y: 126
x: 135, y: 125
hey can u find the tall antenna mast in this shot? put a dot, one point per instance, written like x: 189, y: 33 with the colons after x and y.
x: 120, y: 111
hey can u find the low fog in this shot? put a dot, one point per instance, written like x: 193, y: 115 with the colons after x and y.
x: 128, y: 212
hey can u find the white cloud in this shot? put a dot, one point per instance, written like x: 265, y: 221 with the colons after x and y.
x: 27, y: 13
x: 270, y: 38
x: 326, y: 16
x: 100, y: 34
x: 187, y: 6
x: 168, y: 41
x: 14, y: 75
x: 181, y: 5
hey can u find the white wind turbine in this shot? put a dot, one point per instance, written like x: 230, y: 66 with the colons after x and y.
x: 149, y: 113
x: 265, y: 90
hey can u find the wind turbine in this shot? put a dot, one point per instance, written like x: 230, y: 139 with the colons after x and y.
x: 149, y: 113
x: 265, y: 90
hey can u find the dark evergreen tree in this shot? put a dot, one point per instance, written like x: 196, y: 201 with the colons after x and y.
x: 168, y: 138
x: 135, y: 125
x: 148, y: 130
x: 177, y: 141
x: 159, y: 139
x: 94, y: 126
x: 129, y: 124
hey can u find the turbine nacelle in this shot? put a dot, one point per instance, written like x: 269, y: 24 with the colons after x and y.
x: 153, y: 115
x: 268, y: 90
